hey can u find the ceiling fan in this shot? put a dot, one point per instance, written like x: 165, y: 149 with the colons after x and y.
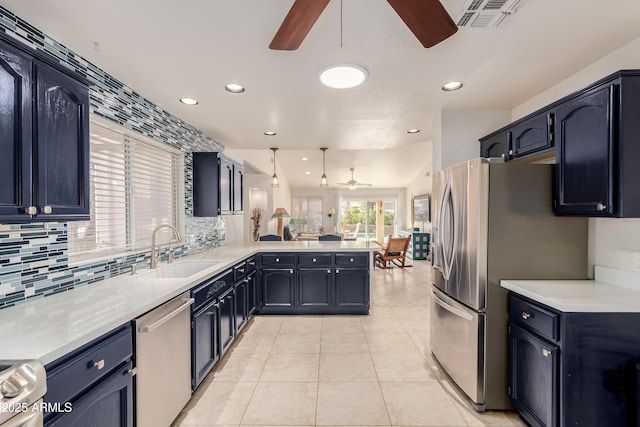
x: 427, y: 19
x: 352, y: 184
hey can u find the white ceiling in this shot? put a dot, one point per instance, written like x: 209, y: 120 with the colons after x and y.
x: 168, y: 50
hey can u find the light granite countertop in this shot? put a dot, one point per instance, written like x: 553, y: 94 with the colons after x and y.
x: 47, y: 328
x: 612, y: 291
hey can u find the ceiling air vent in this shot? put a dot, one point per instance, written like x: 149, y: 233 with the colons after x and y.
x: 486, y: 13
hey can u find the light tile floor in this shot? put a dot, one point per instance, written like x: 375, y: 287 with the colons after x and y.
x: 374, y: 370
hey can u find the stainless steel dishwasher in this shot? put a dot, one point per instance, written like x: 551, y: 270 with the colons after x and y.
x: 163, y: 360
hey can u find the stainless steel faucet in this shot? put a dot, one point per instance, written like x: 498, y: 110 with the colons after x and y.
x: 155, y: 259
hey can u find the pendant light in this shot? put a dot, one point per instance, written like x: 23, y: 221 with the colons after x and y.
x: 274, y: 178
x: 324, y: 183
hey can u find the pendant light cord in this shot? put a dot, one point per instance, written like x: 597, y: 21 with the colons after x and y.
x: 340, y: 24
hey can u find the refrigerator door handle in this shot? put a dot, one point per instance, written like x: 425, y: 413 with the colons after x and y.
x: 447, y: 236
x: 451, y: 309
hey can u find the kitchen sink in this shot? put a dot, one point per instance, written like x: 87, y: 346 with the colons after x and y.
x: 180, y: 270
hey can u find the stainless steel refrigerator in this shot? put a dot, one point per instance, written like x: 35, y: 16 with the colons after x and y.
x: 492, y: 221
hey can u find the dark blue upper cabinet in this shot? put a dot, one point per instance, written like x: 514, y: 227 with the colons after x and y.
x: 585, y: 158
x: 44, y: 138
x: 15, y: 132
x: 61, y: 145
x: 532, y: 136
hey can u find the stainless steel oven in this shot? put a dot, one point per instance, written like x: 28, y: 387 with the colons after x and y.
x: 22, y: 386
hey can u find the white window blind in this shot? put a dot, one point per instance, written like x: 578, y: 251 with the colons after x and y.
x: 309, y: 209
x: 133, y: 189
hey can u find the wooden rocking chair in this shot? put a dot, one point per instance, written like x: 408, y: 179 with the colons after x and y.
x: 395, y: 252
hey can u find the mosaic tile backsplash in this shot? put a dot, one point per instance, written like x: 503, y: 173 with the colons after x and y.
x: 34, y: 261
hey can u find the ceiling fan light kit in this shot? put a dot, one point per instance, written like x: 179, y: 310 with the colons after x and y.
x: 343, y: 76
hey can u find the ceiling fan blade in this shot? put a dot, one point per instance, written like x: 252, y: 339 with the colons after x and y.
x: 297, y: 24
x: 427, y: 19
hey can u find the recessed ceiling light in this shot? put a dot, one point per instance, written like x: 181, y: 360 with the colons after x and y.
x: 189, y: 101
x: 270, y: 133
x: 343, y: 76
x: 234, y: 88
x: 450, y: 86
x: 305, y: 159
x: 307, y: 173
x: 413, y: 131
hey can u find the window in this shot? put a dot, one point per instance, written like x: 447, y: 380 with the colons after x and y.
x: 308, y: 209
x: 133, y: 189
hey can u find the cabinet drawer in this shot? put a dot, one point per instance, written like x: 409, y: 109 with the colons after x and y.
x: 318, y: 260
x: 275, y: 259
x: 86, y: 366
x: 209, y: 289
x: 352, y: 259
x: 251, y: 264
x: 535, y: 317
x: 239, y: 271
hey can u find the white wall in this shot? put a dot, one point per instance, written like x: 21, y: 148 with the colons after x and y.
x: 611, y: 241
x: 456, y: 133
x: 262, y: 162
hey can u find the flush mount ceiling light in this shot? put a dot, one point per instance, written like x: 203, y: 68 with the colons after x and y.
x: 270, y: 133
x: 343, y: 76
x: 324, y: 183
x: 188, y: 101
x: 413, y: 131
x: 274, y: 179
x: 451, y: 86
x: 234, y: 88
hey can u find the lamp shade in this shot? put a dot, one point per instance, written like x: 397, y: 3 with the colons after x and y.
x: 280, y: 213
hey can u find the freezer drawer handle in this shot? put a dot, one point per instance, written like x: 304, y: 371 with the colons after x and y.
x: 450, y: 308
x: 525, y: 315
x: 174, y: 313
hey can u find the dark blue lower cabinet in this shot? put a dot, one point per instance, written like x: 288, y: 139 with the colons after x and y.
x: 205, y: 350
x: 534, y: 378
x: 227, y: 319
x: 108, y: 404
x: 314, y: 288
x: 252, y: 295
x: 278, y: 290
x: 241, y: 313
x: 352, y: 290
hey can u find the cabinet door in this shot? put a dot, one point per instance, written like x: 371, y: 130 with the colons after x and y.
x: 252, y: 283
x: 15, y: 135
x: 61, y: 145
x: 206, y: 184
x: 494, y: 146
x: 204, y: 342
x: 226, y: 186
x: 238, y: 186
x: 227, y: 317
x: 240, y: 304
x: 278, y: 289
x: 532, y: 136
x: 352, y: 289
x: 109, y: 404
x: 585, y: 155
x: 314, y: 288
x: 533, y: 377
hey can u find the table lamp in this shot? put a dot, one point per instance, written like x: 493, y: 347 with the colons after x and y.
x: 280, y: 213
x: 298, y: 221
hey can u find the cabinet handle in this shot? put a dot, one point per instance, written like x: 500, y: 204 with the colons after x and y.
x: 277, y: 259
x: 217, y: 305
x: 99, y: 364
x: 350, y: 259
x: 546, y: 353
x: 252, y: 263
x: 329, y: 271
x: 600, y: 207
x: 314, y: 260
x: 241, y: 270
x: 247, y: 280
x: 337, y: 270
x: 501, y: 155
x: 47, y: 209
x: 525, y: 315
x: 290, y: 271
x: 132, y: 371
x: 210, y: 313
x: 511, y: 152
x: 31, y: 210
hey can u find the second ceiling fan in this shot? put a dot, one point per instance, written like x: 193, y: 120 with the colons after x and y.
x: 427, y: 19
x: 352, y: 184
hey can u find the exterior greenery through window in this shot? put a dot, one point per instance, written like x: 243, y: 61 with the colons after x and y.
x: 133, y: 190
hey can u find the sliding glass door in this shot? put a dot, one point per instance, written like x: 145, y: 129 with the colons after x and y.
x: 368, y: 218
